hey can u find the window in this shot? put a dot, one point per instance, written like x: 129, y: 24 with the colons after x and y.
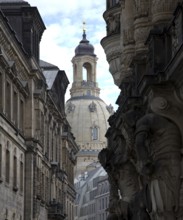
x: 88, y: 92
x: 0, y: 160
x: 43, y: 186
x: 94, y: 133
x: 21, y: 176
x: 8, y: 100
x: 7, y: 174
x: 1, y: 92
x: 42, y: 128
x: 14, y: 172
x: 15, y: 107
x: 21, y: 115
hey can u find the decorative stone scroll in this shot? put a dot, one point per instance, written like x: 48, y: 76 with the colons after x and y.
x: 92, y: 107
x: 70, y: 107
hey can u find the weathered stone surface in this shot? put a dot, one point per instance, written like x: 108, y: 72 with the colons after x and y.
x: 144, y: 156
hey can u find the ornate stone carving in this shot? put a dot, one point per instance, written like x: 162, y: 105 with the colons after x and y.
x: 112, y: 49
x: 162, y: 10
x: 113, y: 24
x: 141, y: 8
x: 70, y: 107
x: 110, y: 108
x: 92, y: 107
x: 140, y: 35
x: 158, y: 144
x: 176, y: 32
x: 163, y: 5
x: 128, y: 36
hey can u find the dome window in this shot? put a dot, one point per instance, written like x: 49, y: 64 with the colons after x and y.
x: 95, y: 132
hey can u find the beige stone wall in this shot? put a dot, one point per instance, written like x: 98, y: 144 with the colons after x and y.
x: 31, y: 136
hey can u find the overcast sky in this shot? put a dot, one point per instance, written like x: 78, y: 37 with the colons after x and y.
x: 63, y: 20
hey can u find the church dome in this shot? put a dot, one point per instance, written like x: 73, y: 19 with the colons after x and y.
x: 88, y: 119
x: 86, y: 112
x: 84, y: 47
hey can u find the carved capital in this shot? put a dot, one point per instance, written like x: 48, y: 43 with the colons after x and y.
x: 128, y: 36
x: 162, y: 10
x: 141, y: 8
x: 140, y: 35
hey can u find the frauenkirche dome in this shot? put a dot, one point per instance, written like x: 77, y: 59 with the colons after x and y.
x: 86, y: 112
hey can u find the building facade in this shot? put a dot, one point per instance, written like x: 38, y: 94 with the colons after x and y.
x: 86, y: 112
x: 92, y: 195
x: 37, y: 148
x: 143, y: 159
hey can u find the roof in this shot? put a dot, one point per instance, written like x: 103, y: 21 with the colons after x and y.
x: 46, y: 65
x: 50, y: 72
x: 84, y: 47
x: 50, y: 76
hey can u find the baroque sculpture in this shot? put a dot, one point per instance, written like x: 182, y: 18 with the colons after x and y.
x: 144, y: 173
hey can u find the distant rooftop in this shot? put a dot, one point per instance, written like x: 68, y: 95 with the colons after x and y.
x: 46, y: 65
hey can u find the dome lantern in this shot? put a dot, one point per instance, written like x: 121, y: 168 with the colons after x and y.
x: 84, y: 47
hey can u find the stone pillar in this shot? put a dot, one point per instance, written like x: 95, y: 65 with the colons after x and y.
x: 29, y: 183
x: 142, y: 24
x: 127, y: 39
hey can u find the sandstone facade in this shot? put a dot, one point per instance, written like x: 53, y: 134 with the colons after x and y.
x: 37, y: 148
x: 144, y: 154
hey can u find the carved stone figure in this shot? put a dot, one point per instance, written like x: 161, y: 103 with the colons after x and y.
x: 158, y: 143
x: 113, y: 24
x: 126, y: 197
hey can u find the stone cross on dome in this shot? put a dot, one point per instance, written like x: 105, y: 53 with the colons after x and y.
x: 84, y: 26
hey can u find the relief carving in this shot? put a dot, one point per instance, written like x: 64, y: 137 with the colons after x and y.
x: 70, y: 107
x: 92, y: 107
x: 140, y: 35
x: 158, y: 145
x: 141, y: 8
x: 113, y: 24
x: 119, y: 162
x: 128, y: 36
x: 176, y: 34
x: 163, y: 5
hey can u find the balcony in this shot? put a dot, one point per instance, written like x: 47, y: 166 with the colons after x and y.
x: 55, y: 211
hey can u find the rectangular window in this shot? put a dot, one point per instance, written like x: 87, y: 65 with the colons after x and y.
x: 21, y: 115
x: 7, y: 176
x: 21, y: 176
x: 42, y: 187
x: 8, y: 100
x: 1, y: 92
x: 15, y: 108
x: 0, y: 160
x: 14, y: 171
x: 47, y: 190
x: 42, y: 128
x: 95, y: 133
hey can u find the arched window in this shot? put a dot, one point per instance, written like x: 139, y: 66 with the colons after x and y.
x: 87, y: 72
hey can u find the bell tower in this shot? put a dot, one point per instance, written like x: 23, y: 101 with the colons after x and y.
x: 84, y: 70
x: 86, y: 112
